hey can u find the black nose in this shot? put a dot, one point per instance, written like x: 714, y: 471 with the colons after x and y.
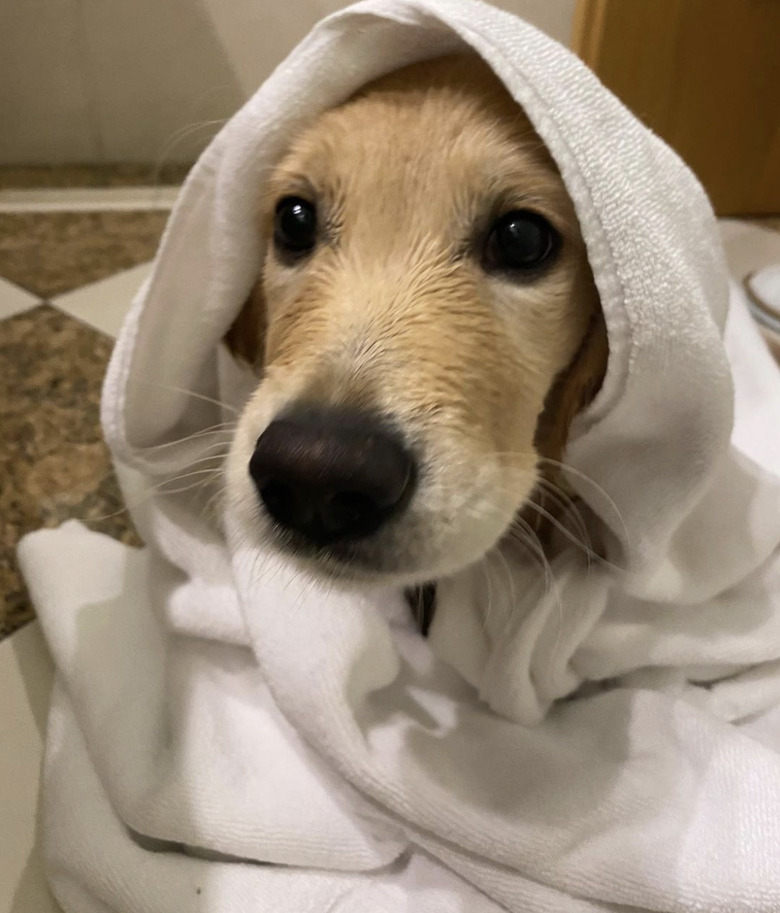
x: 331, y: 475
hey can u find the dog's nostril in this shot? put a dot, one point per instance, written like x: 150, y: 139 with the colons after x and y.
x: 284, y: 503
x: 331, y: 475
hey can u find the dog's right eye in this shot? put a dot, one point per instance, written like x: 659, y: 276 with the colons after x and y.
x: 295, y: 226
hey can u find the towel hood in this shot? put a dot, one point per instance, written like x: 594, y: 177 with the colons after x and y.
x: 650, y: 234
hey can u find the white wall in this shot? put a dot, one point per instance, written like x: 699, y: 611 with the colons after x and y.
x: 260, y: 35
x: 145, y: 80
x: 108, y: 80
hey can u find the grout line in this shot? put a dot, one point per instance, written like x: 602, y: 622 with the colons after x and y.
x: 88, y: 199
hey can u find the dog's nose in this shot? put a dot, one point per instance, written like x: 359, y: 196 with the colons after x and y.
x: 331, y: 475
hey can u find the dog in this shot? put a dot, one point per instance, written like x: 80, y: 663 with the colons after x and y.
x: 425, y: 328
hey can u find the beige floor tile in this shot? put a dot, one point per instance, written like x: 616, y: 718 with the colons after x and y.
x: 14, y: 300
x: 104, y: 304
x: 52, y: 253
x: 25, y: 683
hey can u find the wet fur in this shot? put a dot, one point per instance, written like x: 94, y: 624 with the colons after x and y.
x: 394, y: 312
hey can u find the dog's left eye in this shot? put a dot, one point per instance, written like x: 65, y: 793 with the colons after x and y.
x: 295, y: 225
x: 520, y: 241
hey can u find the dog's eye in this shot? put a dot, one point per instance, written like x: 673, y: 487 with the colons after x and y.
x: 295, y: 225
x: 519, y: 241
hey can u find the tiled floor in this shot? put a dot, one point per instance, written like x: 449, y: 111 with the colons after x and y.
x: 54, y: 252
x: 14, y: 300
x: 57, y: 326
x: 66, y: 280
x: 25, y: 683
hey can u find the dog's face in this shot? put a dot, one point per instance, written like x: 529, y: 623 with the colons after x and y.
x: 424, y: 296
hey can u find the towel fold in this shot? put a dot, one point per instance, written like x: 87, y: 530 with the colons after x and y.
x: 229, y: 734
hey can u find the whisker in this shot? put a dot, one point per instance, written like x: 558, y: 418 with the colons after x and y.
x: 192, y: 393
x: 489, y: 595
x: 510, y: 580
x: 223, y: 428
x: 179, y: 136
x: 586, y: 546
x: 584, y: 477
x: 590, y: 554
x: 220, y: 455
x: 158, y: 488
x: 208, y: 471
x: 212, y: 507
x: 533, y: 543
x: 201, y: 483
x: 598, y: 488
x: 558, y: 464
x: 550, y: 583
x: 566, y: 504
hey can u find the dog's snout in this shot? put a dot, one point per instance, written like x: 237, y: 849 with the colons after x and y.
x: 331, y: 475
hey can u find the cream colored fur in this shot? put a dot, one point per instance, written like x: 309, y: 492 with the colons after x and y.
x: 394, y: 311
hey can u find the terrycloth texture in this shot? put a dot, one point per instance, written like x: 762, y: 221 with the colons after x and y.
x: 216, y: 710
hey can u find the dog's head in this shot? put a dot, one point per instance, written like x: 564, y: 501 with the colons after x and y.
x: 425, y: 325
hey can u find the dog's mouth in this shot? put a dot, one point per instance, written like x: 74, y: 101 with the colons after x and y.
x: 382, y: 552
x: 358, y: 561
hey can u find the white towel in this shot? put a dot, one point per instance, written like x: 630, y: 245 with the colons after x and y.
x: 228, y: 735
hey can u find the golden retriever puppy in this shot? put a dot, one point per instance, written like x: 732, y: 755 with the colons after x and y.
x: 425, y: 326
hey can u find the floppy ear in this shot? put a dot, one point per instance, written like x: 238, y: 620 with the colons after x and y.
x: 246, y: 337
x: 572, y: 391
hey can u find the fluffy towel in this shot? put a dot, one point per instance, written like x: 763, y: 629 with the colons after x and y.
x: 227, y: 735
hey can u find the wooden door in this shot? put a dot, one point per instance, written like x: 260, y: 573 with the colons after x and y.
x: 705, y: 75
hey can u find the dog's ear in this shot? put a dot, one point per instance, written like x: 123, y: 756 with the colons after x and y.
x: 573, y: 390
x: 246, y: 337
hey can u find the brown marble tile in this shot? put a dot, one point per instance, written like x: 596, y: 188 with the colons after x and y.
x: 116, y: 175
x: 53, y: 462
x: 54, y: 252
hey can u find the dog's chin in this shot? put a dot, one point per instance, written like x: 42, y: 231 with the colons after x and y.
x: 342, y: 563
x: 399, y: 558
x: 350, y: 563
